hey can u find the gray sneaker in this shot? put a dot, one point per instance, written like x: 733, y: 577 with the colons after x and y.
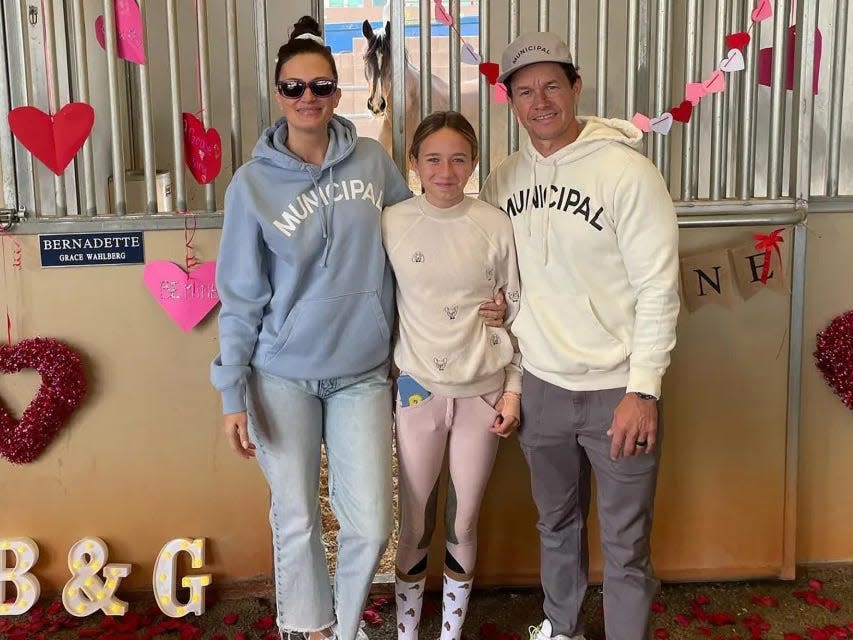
x: 544, y: 631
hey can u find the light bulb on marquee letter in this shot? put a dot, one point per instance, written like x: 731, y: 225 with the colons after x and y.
x: 85, y: 593
x: 164, y: 578
x: 26, y: 554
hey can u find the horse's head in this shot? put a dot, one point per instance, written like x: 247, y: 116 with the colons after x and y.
x: 377, y: 65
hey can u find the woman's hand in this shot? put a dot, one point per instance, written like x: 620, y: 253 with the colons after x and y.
x: 493, y: 312
x: 509, y: 418
x: 236, y: 427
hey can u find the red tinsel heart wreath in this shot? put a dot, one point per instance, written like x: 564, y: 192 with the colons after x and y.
x: 63, y: 385
x: 834, y: 356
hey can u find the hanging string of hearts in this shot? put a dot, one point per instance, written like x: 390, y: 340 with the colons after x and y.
x: 469, y: 55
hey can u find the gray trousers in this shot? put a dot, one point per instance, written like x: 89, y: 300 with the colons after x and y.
x: 564, y: 435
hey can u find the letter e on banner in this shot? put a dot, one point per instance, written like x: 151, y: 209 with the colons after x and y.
x: 749, y: 264
x: 26, y: 554
x: 707, y: 278
x: 164, y: 578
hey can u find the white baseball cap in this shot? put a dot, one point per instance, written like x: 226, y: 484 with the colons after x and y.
x: 530, y: 48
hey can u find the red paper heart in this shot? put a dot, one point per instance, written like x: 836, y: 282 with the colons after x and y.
x: 54, y: 140
x: 765, y: 61
x: 491, y: 70
x: 682, y: 112
x: 63, y: 385
x: 738, y: 40
x: 202, y: 150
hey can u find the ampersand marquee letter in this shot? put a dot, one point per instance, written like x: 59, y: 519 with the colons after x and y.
x: 85, y: 593
x: 164, y: 578
x: 26, y: 554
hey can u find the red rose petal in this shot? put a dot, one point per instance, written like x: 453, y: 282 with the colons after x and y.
x: 817, y: 585
x: 371, y: 617
x: 264, y: 623
x: 488, y: 630
x: 661, y: 634
x: 793, y: 636
x: 658, y: 607
x: 705, y: 631
x: 230, y: 619
x: 701, y: 599
x: 682, y: 619
x: 764, y: 601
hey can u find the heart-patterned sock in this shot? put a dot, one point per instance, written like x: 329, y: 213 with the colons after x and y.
x: 409, y: 598
x: 454, y: 606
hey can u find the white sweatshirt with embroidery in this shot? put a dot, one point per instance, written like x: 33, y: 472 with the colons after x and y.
x: 447, y: 262
x: 597, y: 241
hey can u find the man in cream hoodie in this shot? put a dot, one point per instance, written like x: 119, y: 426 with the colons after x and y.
x: 597, y: 243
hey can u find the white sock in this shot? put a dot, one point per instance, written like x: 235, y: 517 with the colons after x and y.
x: 409, y: 598
x: 454, y: 606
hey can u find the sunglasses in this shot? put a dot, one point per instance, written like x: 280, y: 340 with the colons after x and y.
x: 293, y: 89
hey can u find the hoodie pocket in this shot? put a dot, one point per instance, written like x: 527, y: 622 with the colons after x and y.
x: 562, y: 334
x: 349, y: 329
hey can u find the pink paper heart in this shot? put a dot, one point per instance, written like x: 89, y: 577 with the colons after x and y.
x: 185, y: 297
x: 662, y: 124
x: 641, y: 122
x: 500, y: 94
x: 733, y: 61
x: 715, y: 83
x: 694, y: 92
x: 468, y: 56
x: 762, y: 11
x: 442, y: 15
x: 128, y: 31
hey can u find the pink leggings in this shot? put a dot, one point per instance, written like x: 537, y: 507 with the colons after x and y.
x: 424, y: 432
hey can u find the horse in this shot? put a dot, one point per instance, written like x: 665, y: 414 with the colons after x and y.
x: 377, y: 71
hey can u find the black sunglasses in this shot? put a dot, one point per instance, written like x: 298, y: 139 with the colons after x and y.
x: 293, y: 89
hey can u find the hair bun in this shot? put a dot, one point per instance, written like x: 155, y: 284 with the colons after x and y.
x: 305, y: 24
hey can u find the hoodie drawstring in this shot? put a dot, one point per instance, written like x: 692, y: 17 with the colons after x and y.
x: 543, y: 197
x: 326, y: 221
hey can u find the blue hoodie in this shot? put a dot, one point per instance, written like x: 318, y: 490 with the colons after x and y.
x: 305, y: 287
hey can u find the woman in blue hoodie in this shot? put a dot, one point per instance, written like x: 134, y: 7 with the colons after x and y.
x: 307, y: 309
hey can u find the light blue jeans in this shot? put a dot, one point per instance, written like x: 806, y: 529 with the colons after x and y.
x: 288, y: 422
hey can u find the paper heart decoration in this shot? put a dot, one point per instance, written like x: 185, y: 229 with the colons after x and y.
x: 641, y: 122
x: 694, y: 92
x: 491, y: 70
x: 662, y: 124
x: 738, y: 40
x: 762, y: 11
x: 715, y: 83
x: 765, y: 61
x: 185, y: 297
x: 682, y: 112
x: 733, y: 61
x: 442, y: 15
x: 63, y: 385
x: 500, y: 94
x: 202, y: 150
x: 129, y: 31
x: 468, y: 56
x: 54, y: 140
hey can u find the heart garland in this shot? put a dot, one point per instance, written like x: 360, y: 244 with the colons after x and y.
x: 63, y: 385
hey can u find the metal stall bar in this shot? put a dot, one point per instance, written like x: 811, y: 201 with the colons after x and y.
x: 745, y: 179
x: 234, y: 86
x: 543, y: 15
x: 262, y: 61
x: 512, y: 125
x: 175, y: 87
x: 484, y: 93
x: 116, y: 138
x: 204, y: 87
x: 836, y: 100
x: 693, y: 45
x: 7, y: 150
x: 398, y: 90
x: 775, y: 160
x: 574, y: 29
x: 731, y: 112
x: 642, y: 92
x: 319, y: 12
x: 631, y: 58
x: 663, y: 70
x: 801, y: 173
x: 53, y: 99
x: 717, y: 188
x: 455, y: 89
x: 89, y: 204
x: 13, y: 32
x: 148, y: 159
x: 426, y: 53
x: 601, y: 61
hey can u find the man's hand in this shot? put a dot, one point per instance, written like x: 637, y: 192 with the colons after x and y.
x: 634, y: 428
x: 493, y: 312
x: 509, y: 410
x: 236, y: 427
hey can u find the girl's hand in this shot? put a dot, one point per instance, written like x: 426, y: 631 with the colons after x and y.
x: 236, y: 427
x: 509, y: 418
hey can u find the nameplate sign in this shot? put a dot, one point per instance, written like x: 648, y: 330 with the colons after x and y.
x: 91, y: 249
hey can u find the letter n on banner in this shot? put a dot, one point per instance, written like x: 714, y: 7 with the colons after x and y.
x: 749, y: 265
x: 707, y: 278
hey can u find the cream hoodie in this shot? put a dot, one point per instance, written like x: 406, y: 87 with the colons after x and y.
x: 597, y: 242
